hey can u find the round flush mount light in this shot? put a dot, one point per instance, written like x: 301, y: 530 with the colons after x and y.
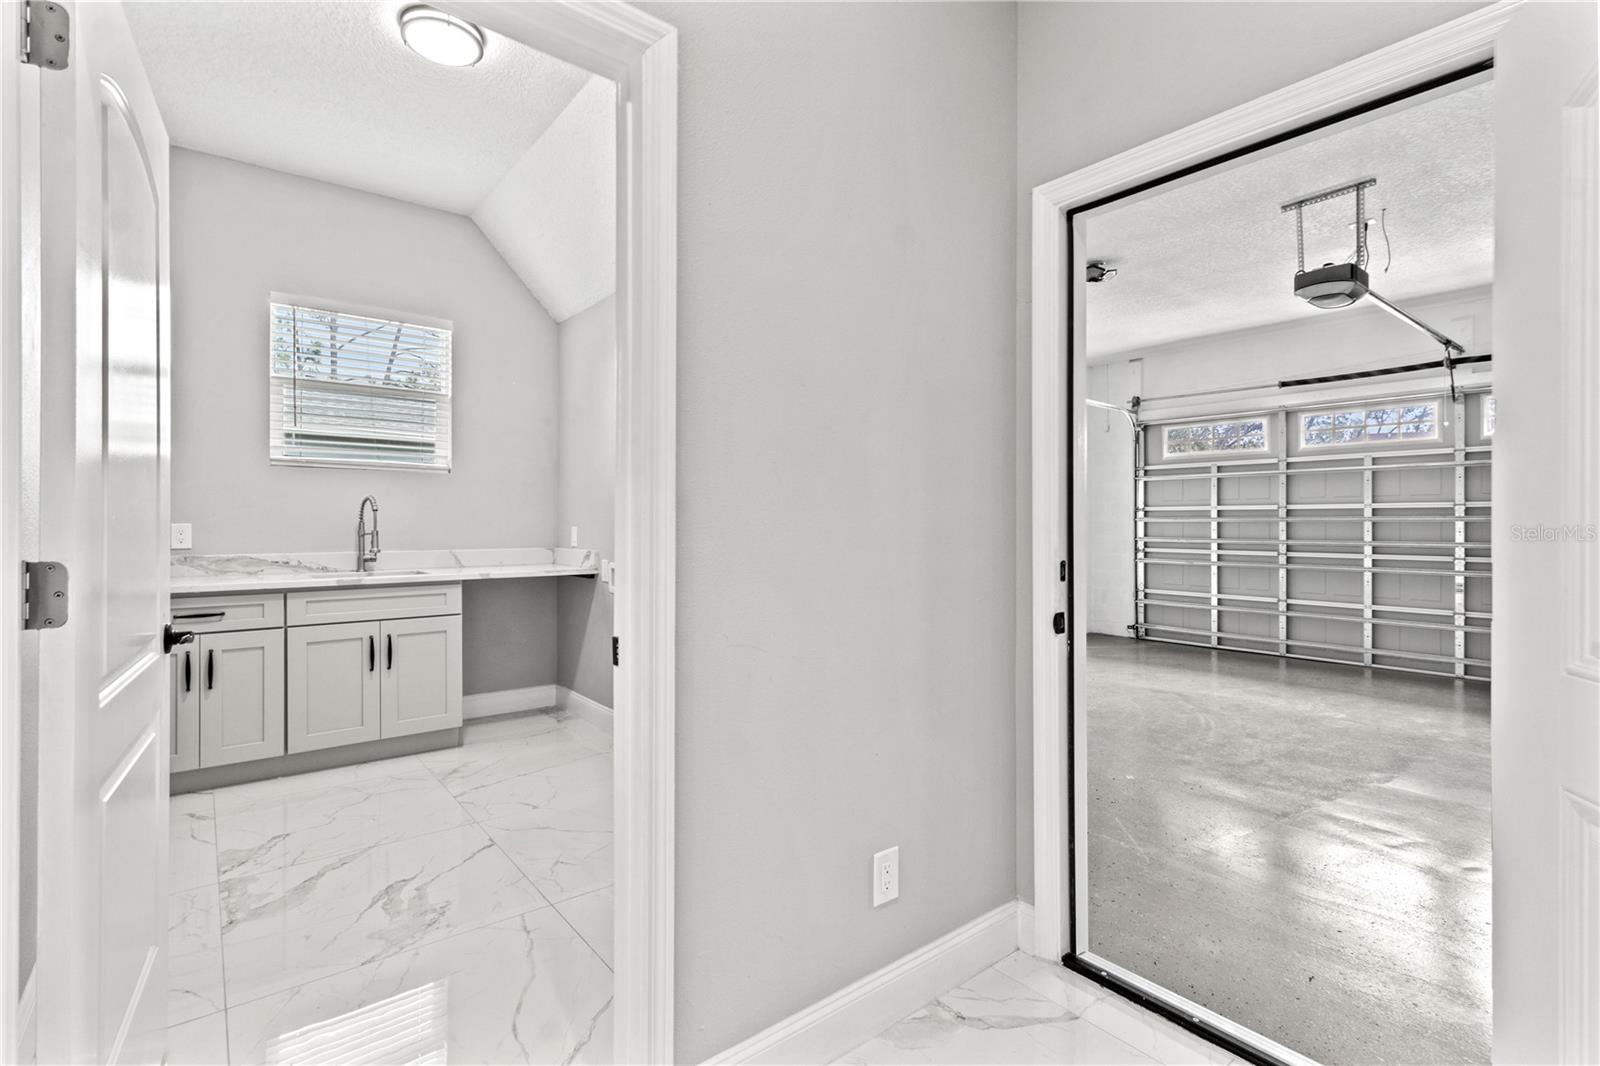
x: 443, y: 38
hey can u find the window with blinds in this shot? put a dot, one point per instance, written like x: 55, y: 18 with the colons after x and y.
x: 357, y: 387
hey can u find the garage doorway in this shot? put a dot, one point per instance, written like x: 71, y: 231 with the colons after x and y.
x: 1289, y: 583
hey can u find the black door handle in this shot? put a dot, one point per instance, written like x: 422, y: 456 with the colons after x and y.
x: 187, y: 681
x: 388, y: 647
x: 372, y: 654
x: 171, y: 638
x: 211, y: 669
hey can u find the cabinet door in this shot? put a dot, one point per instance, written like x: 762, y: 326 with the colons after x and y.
x: 185, y: 753
x: 333, y: 685
x: 241, y: 696
x: 421, y: 675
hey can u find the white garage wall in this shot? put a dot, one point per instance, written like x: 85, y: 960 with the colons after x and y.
x: 1338, y: 340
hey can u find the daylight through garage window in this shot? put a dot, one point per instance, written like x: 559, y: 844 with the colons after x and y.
x: 357, y: 387
x: 1370, y: 425
x: 1206, y: 438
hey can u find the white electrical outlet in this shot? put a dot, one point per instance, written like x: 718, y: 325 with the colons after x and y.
x: 886, y: 876
x: 574, y: 541
x: 182, y: 535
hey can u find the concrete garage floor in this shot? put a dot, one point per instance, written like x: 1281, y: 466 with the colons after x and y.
x: 1303, y: 848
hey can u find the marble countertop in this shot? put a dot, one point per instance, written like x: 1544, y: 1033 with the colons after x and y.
x: 213, y: 574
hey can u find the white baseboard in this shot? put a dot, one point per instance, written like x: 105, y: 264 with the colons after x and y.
x: 855, y: 1014
x: 536, y: 698
x: 1025, y: 927
x: 594, y: 712
x: 510, y: 701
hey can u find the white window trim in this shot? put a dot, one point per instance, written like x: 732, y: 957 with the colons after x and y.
x: 1366, y: 441
x: 345, y: 307
x: 1266, y: 438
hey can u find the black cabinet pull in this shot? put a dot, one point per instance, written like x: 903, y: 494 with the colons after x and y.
x: 388, y: 647
x: 200, y: 616
x: 211, y: 669
x: 186, y: 679
x: 372, y: 653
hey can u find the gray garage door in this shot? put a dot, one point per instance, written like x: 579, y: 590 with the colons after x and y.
x: 1354, y: 532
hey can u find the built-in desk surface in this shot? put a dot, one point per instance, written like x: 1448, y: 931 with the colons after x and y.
x: 212, y: 574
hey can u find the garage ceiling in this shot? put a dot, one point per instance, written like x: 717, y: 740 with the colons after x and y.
x: 1216, y: 254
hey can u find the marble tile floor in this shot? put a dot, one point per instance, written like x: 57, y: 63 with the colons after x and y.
x: 1025, y: 1010
x: 450, y: 906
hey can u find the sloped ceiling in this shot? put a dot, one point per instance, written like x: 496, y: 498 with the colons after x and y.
x: 553, y: 215
x: 1216, y: 254
x: 329, y: 91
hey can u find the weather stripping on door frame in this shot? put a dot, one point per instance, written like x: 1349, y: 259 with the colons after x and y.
x: 1239, y: 1040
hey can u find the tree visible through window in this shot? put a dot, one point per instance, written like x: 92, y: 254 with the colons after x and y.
x: 1370, y: 425
x: 1244, y: 435
x: 358, y: 388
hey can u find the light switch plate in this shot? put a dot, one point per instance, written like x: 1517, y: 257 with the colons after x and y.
x: 182, y: 535
x: 886, y: 876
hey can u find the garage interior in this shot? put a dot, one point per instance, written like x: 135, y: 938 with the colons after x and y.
x: 1289, y: 592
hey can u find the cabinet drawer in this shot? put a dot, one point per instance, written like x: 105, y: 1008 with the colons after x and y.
x: 323, y: 606
x: 228, y: 614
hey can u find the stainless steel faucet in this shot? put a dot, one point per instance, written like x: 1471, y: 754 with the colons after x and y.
x: 366, y: 543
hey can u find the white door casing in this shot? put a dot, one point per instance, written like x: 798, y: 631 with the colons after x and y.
x: 103, y: 740
x: 638, y: 52
x: 1546, y: 700
x: 1058, y: 413
x: 1546, y: 637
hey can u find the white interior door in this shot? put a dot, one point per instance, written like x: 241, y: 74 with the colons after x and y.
x: 1546, y: 699
x: 104, y: 746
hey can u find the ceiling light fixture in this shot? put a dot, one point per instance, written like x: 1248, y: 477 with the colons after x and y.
x: 443, y: 38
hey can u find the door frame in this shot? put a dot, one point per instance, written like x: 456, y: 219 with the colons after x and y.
x: 639, y: 53
x: 1059, y: 423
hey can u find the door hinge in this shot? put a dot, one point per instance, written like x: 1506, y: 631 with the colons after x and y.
x: 44, y: 595
x: 616, y: 651
x: 46, y: 34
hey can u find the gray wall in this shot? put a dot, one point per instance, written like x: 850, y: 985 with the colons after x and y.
x: 240, y: 232
x: 1095, y: 79
x: 845, y: 507
x: 585, y: 499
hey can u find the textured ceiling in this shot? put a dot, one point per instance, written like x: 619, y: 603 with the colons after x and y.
x: 328, y: 91
x: 1216, y: 254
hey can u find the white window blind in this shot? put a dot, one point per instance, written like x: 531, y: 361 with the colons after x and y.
x: 352, y: 387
